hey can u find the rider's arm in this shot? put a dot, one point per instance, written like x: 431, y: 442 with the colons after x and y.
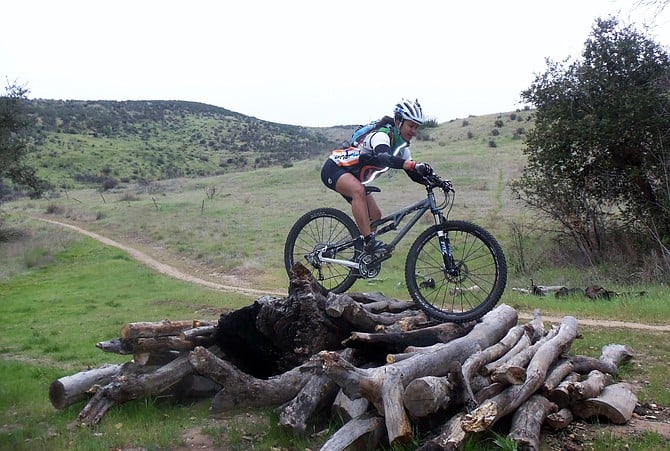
x: 377, y: 152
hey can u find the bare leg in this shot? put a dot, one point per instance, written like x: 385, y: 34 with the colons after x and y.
x: 349, y: 185
x: 373, y: 210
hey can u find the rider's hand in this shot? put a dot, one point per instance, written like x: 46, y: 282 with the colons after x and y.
x: 423, y: 169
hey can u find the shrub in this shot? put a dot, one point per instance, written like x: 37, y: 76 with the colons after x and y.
x: 54, y: 209
x: 110, y: 183
x: 492, y: 143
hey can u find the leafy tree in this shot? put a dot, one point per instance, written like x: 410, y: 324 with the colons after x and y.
x: 599, y: 148
x: 15, y: 128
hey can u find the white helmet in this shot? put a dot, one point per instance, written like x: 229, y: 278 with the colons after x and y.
x: 409, y: 110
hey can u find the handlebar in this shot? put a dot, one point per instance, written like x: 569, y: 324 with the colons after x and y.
x: 433, y: 180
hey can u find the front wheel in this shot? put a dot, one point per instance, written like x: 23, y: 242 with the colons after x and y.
x: 474, y: 283
x: 318, y: 230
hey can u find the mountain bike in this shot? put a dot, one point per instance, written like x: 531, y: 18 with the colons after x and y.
x: 455, y: 270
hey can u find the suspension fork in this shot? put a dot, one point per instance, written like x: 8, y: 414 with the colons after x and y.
x: 445, y: 245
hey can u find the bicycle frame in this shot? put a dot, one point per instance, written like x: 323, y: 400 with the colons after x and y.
x: 395, y: 219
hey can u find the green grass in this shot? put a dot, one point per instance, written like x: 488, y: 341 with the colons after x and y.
x: 52, y: 318
x: 86, y: 295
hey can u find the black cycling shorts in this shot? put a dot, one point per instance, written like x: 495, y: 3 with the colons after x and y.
x: 331, y: 173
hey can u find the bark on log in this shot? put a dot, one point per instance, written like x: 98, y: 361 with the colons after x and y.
x: 129, y: 386
x: 427, y: 395
x: 451, y: 437
x: 365, y: 431
x: 200, y: 331
x: 343, y: 306
x: 477, y: 360
x: 71, y: 389
x: 132, y: 331
x: 156, y: 344
x: 527, y: 422
x: 591, y: 387
x: 156, y: 358
x: 506, y: 402
x: 616, y: 403
x: 441, y: 333
x: 560, y: 395
x: 242, y: 390
x: 560, y: 419
x: 377, y: 302
x: 611, y: 357
x: 318, y: 392
x: 557, y: 373
x: 347, y: 408
x: 523, y: 343
x: 518, y: 362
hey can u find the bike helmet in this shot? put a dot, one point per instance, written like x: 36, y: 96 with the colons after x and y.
x: 409, y: 110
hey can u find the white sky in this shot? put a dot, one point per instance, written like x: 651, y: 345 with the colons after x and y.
x: 300, y: 62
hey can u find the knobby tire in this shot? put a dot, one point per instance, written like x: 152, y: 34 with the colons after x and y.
x: 321, y: 227
x: 456, y: 298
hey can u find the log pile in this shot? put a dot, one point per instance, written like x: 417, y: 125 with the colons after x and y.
x: 379, y: 364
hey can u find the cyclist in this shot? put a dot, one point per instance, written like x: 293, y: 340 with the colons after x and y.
x: 346, y: 171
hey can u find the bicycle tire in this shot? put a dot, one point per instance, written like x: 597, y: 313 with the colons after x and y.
x: 480, y: 282
x: 316, y: 228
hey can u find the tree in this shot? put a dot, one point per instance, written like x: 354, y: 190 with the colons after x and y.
x: 15, y: 128
x: 598, y: 153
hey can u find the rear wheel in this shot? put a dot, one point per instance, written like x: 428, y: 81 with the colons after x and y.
x: 313, y: 232
x: 475, y: 284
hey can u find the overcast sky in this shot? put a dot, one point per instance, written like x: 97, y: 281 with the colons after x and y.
x: 300, y: 62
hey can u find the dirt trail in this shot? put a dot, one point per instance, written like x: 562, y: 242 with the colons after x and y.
x: 236, y: 288
x: 162, y: 267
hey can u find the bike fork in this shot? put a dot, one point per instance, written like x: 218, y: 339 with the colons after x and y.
x: 447, y: 256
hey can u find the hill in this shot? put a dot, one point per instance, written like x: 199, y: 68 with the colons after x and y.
x: 85, y: 143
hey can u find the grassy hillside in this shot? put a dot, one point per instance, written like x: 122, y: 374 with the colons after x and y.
x: 236, y: 223
x: 86, y: 143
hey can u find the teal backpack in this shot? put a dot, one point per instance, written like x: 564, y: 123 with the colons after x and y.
x: 362, y: 131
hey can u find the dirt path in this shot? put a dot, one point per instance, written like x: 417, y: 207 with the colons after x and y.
x: 237, y: 288
x: 162, y: 267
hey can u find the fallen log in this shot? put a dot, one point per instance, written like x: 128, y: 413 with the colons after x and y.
x: 560, y: 395
x: 450, y: 438
x: 433, y: 370
x: 611, y: 357
x: 591, y: 387
x: 377, y: 302
x: 560, y: 419
x: 441, y: 333
x: 427, y: 395
x: 341, y: 305
x: 506, y: 402
x: 318, y: 392
x: 131, y: 331
x: 71, y: 389
x: 616, y: 403
x: 243, y: 390
x: 347, y: 408
x: 477, y: 360
x: 556, y: 374
x: 366, y: 431
x: 516, y: 364
x: 138, y: 383
x: 527, y: 422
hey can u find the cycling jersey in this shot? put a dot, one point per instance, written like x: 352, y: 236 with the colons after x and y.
x: 380, y: 150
